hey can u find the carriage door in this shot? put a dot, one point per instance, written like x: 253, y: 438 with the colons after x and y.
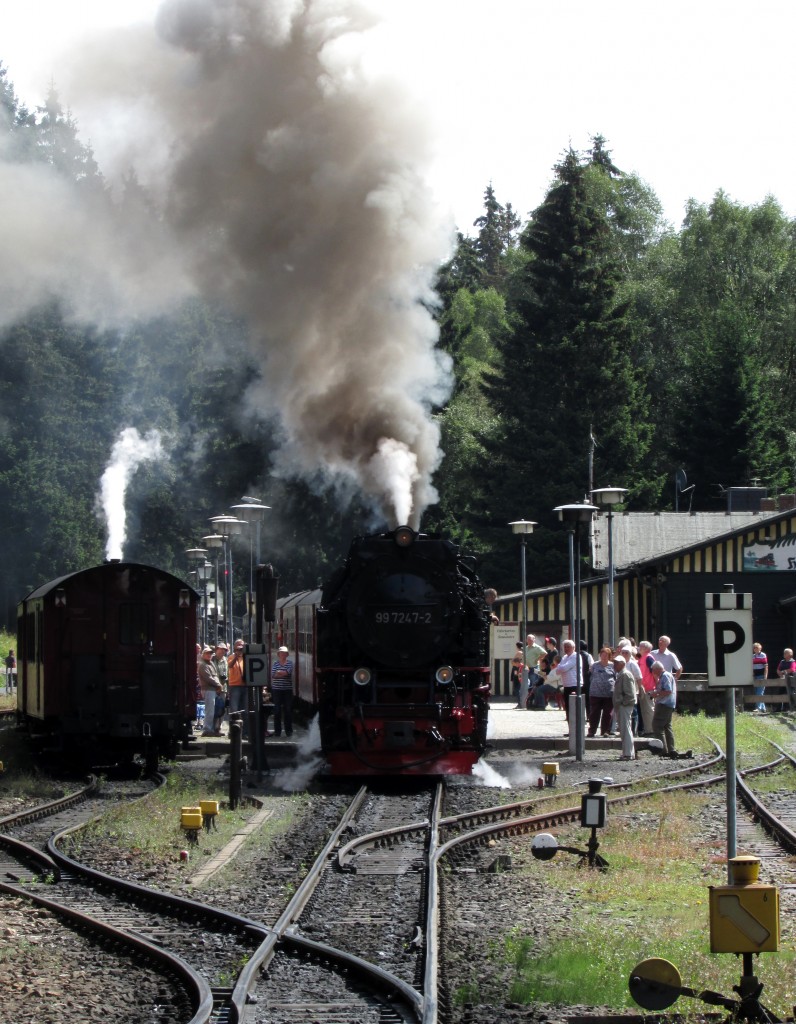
x: 159, y: 670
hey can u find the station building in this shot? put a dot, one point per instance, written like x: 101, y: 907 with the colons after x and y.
x: 664, y: 564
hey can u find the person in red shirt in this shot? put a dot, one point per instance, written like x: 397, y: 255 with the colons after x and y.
x: 645, y: 662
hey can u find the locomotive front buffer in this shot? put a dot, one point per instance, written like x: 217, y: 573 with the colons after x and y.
x: 744, y: 920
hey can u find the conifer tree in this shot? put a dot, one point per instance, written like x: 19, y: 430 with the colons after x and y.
x: 567, y: 375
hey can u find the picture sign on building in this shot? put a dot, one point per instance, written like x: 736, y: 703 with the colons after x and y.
x: 771, y: 556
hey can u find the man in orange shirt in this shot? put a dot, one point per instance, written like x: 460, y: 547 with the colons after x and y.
x: 236, y: 687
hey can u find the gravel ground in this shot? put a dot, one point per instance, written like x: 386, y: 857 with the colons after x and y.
x: 55, y: 975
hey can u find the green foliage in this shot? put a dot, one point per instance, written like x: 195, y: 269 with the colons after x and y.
x: 566, y: 388
x: 591, y: 345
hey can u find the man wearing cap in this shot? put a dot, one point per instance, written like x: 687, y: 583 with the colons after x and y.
x: 210, y: 684
x: 282, y: 691
x: 236, y: 687
x: 624, y: 700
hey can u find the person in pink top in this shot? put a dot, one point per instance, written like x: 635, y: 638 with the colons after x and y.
x: 645, y: 707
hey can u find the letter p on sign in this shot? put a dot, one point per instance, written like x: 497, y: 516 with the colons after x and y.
x: 729, y: 638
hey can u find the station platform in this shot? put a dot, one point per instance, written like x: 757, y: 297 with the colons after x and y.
x: 509, y: 728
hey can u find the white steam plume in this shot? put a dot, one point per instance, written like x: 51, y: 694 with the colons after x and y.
x: 129, y: 451
x: 287, y: 175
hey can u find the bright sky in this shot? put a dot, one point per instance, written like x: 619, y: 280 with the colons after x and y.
x: 693, y: 95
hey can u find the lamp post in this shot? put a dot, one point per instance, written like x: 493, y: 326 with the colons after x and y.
x: 203, y: 572
x: 253, y: 511
x: 197, y: 556
x: 605, y: 498
x: 228, y: 526
x: 216, y: 542
x: 523, y: 527
x: 575, y: 515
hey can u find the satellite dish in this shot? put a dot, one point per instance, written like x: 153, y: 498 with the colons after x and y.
x: 681, y: 487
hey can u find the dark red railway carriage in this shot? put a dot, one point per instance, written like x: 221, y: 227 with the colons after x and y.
x: 107, y: 661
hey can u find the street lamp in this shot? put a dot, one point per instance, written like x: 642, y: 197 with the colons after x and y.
x: 204, y: 572
x: 574, y: 515
x: 216, y: 542
x: 605, y: 498
x: 196, y: 556
x: 253, y: 511
x: 228, y: 527
x: 523, y: 527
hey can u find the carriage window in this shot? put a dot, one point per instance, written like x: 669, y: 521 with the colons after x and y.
x: 133, y: 621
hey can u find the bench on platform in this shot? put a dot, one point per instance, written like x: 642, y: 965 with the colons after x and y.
x: 780, y: 695
x: 694, y: 693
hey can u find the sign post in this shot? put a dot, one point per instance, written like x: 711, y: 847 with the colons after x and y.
x: 255, y: 676
x: 502, y: 644
x: 729, y: 639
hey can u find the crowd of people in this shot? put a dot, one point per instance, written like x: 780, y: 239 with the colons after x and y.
x: 221, y: 687
x: 629, y: 690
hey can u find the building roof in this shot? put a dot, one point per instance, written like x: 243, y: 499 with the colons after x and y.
x: 647, y: 536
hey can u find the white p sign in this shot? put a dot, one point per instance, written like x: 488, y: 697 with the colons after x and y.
x: 729, y: 624
x: 255, y: 670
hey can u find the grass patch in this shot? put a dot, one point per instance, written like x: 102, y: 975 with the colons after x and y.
x: 752, y: 732
x: 22, y: 779
x: 652, y: 901
x: 148, y: 831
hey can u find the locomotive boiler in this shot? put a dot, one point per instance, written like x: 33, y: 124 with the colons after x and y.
x: 402, y: 659
x: 107, y: 662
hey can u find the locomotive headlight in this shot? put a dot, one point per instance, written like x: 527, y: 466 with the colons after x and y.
x: 404, y: 536
x: 444, y: 675
x: 362, y: 676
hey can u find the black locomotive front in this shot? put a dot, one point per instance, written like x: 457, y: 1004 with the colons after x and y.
x: 402, y: 658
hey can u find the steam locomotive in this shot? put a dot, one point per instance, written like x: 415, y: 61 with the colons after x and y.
x: 394, y: 654
x: 107, y: 662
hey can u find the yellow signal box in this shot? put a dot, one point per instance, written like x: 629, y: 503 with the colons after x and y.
x: 744, y: 917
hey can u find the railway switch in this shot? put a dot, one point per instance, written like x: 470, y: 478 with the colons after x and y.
x: 744, y: 920
x: 744, y: 916
x: 592, y: 806
x: 191, y: 823
x: 209, y: 809
x: 550, y: 770
x: 544, y: 846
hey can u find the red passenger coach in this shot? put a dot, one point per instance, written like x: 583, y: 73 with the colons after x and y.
x: 107, y: 661
x: 295, y: 628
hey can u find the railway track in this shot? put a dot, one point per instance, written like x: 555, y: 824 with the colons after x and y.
x: 770, y: 825
x: 196, y: 946
x: 357, y: 941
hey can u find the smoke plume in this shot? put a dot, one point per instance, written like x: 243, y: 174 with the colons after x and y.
x: 129, y: 451
x: 287, y: 180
